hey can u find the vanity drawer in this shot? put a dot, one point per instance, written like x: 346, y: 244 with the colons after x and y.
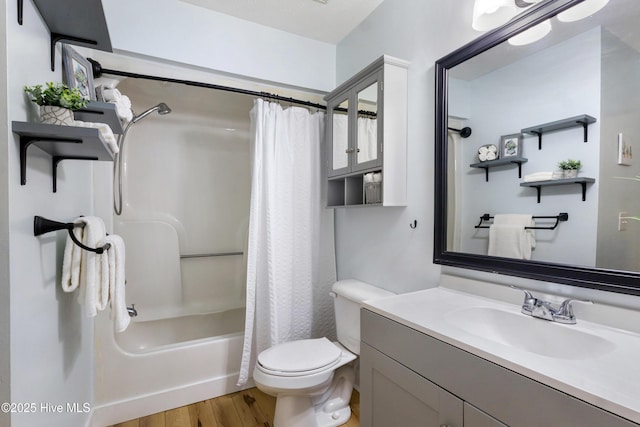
x: 510, y: 397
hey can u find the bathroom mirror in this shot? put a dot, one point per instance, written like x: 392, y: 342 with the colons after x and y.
x: 574, y: 93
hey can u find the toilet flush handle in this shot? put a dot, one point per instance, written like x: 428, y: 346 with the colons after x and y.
x: 333, y: 294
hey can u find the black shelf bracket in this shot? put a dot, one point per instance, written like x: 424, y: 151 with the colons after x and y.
x: 539, y: 135
x: 56, y: 37
x: 582, y: 184
x: 585, y: 127
x: 20, y: 11
x: 25, y: 143
x: 54, y: 164
x: 487, y: 167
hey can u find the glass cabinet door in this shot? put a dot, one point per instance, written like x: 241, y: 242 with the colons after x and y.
x: 367, y: 146
x: 367, y: 135
x: 339, y: 149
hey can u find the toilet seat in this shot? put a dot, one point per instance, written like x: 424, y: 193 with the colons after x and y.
x: 302, y: 357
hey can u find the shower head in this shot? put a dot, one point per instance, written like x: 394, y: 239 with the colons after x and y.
x: 161, y: 108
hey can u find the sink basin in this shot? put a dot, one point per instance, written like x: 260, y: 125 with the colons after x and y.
x: 526, y: 333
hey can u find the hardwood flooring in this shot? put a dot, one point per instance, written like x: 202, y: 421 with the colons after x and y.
x: 247, y: 408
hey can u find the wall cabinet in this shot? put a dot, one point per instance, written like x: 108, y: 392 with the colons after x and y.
x: 408, y: 378
x: 367, y: 133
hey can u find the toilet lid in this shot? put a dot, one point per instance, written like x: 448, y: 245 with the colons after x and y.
x: 300, y: 356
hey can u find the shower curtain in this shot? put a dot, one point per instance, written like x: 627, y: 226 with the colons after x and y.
x: 291, y: 258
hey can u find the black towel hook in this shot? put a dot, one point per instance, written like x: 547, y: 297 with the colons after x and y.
x: 414, y: 224
x: 43, y: 225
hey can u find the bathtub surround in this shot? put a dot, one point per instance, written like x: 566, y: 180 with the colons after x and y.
x: 290, y: 252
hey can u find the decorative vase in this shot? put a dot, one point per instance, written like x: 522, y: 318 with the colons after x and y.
x: 570, y: 173
x: 55, y: 115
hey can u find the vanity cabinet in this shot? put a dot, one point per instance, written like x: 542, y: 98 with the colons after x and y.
x: 408, y: 378
x: 367, y: 133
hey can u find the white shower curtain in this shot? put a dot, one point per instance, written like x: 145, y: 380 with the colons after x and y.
x: 291, y: 259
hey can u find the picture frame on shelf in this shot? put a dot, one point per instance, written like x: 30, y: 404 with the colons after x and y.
x: 625, y: 154
x: 77, y: 72
x: 511, y: 145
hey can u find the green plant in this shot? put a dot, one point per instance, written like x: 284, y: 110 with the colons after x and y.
x: 570, y: 164
x: 57, y: 94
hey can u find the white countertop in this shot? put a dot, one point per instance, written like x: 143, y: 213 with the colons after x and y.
x: 609, y: 380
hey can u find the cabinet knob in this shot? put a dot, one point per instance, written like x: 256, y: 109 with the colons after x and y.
x: 349, y: 150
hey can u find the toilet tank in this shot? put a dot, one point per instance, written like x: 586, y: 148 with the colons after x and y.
x: 348, y: 297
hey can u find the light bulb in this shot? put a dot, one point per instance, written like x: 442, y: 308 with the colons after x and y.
x: 489, y: 14
x: 531, y: 35
x: 582, y: 10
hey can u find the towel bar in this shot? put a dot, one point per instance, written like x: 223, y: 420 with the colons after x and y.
x: 43, y: 225
x: 561, y: 217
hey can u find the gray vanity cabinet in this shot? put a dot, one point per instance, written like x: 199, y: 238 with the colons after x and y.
x: 366, y: 131
x: 408, y: 378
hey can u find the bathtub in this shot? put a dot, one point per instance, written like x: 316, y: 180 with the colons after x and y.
x: 185, y: 234
x: 161, y: 364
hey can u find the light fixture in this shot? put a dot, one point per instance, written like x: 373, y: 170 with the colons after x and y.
x: 531, y: 35
x: 489, y: 14
x: 582, y: 10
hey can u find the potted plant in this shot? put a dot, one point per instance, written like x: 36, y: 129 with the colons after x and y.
x: 570, y: 168
x: 57, y: 102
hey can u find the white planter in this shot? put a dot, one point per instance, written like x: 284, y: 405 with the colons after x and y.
x: 570, y: 173
x: 54, y: 115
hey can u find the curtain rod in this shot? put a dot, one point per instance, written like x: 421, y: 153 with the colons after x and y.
x: 98, y: 71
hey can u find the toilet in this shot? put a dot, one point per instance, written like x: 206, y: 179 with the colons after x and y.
x: 312, y: 379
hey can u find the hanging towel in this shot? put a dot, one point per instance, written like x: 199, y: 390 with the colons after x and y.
x: 80, y: 268
x: 113, y: 263
x: 72, y: 258
x: 509, y: 238
x: 94, y: 291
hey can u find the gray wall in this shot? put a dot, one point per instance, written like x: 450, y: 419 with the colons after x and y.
x: 620, y: 106
x: 375, y: 244
x: 51, y: 341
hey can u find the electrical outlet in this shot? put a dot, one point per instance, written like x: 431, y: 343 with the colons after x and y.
x: 622, y: 221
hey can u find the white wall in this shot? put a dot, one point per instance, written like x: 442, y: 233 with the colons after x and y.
x: 541, y: 88
x: 189, y: 34
x: 620, y: 105
x: 375, y: 244
x: 51, y: 341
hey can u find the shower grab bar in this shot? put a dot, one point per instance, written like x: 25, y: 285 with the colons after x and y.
x: 43, y: 225
x: 211, y: 255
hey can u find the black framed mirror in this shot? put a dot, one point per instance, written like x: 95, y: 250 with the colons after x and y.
x: 582, y: 249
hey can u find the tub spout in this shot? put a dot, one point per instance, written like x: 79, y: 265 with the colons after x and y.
x: 132, y: 310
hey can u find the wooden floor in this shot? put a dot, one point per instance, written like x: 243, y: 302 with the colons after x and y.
x: 248, y: 408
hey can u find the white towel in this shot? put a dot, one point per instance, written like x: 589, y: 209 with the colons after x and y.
x: 71, y: 260
x: 508, y: 237
x: 105, y: 132
x: 113, y: 261
x: 92, y: 282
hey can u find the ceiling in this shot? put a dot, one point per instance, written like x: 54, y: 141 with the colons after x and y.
x: 313, y: 19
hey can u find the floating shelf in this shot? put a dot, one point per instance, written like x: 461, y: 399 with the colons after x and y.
x: 78, y: 22
x: 539, y: 130
x: 62, y: 143
x: 581, y: 181
x: 100, y: 112
x: 500, y: 162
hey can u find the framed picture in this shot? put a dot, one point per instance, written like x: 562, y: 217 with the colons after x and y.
x: 77, y: 72
x: 511, y: 145
x: 625, y: 155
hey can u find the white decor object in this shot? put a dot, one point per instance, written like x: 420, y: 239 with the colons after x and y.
x: 531, y: 35
x: 54, y: 115
x: 489, y: 14
x: 582, y: 10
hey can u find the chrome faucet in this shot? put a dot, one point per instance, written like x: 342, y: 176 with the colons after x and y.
x: 541, y: 309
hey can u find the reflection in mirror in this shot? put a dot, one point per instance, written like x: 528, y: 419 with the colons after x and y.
x: 367, y: 133
x: 569, y: 93
x: 340, y: 136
